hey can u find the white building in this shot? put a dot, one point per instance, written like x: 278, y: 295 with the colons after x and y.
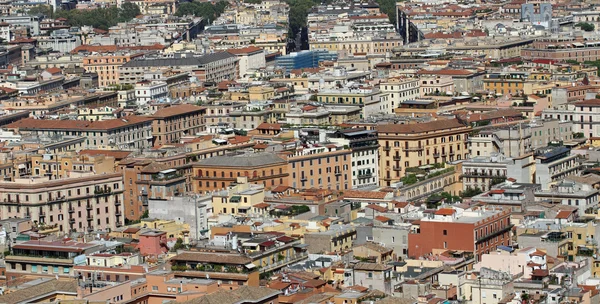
x: 146, y: 91
x: 250, y: 59
x: 398, y: 91
x: 365, y: 157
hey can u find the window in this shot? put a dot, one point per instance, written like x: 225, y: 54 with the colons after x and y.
x: 66, y: 269
x: 370, y: 275
x: 55, y: 269
x: 33, y: 268
x: 154, y: 288
x: 445, y: 232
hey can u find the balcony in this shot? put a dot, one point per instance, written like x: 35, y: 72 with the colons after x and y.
x: 71, y: 210
x: 89, y: 207
x: 397, y: 157
x: 118, y: 213
x: 387, y: 148
x: 365, y: 175
x: 72, y: 220
x: 286, y: 261
x: 117, y: 203
x: 436, y: 155
x: 303, y: 179
x: 102, y: 192
x: 418, y: 148
x: 397, y: 168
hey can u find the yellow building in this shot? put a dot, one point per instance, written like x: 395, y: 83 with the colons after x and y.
x: 60, y: 165
x: 505, y: 82
x: 261, y: 93
x: 403, y: 146
x: 239, y: 198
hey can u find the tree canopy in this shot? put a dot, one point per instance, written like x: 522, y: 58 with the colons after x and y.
x: 206, y: 10
x: 101, y: 18
x: 588, y: 27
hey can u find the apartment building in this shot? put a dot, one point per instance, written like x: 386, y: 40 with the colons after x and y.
x: 150, y: 91
x: 47, y: 258
x: 569, y: 193
x: 321, y: 166
x: 337, y: 239
x: 352, y: 46
x: 579, y: 51
x: 474, y: 230
x: 367, y: 99
x: 483, y: 172
x: 172, y: 123
x: 238, y: 198
x: 436, y: 85
x: 505, y: 83
x: 106, y: 65
x: 585, y: 116
x: 218, y: 172
x: 83, y: 202
x: 214, y: 67
x: 464, y: 80
x: 131, y: 132
x: 553, y: 164
x: 59, y: 165
x: 399, y: 90
x: 364, y: 158
x: 414, y: 145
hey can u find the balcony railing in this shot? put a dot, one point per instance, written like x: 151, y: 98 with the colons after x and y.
x: 286, y: 261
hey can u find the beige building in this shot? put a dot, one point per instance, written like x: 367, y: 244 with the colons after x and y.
x: 402, y: 146
x: 238, y: 199
x: 82, y: 202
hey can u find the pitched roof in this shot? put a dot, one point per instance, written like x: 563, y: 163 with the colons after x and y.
x: 197, y: 61
x: 243, y: 294
x: 102, y: 125
x: 588, y: 103
x: 371, y: 266
x: 564, y: 214
x: 364, y: 194
x: 253, y: 160
x: 445, y: 211
x: 177, y: 110
x: 53, y: 70
x: 269, y: 126
x: 117, y: 154
x: 114, y: 48
x: 437, y: 125
x: 377, y: 208
x: 375, y: 247
x: 247, y: 50
x: 35, y: 291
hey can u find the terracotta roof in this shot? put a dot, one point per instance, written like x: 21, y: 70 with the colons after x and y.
x: 496, y: 191
x: 280, y: 188
x: 445, y: 211
x: 375, y: 247
x: 364, y: 194
x: 261, y: 205
x: 437, y: 125
x: 39, y: 290
x: 564, y: 214
x: 269, y: 126
x: 102, y: 125
x: 243, y: 294
x: 539, y: 272
x: 261, y: 146
x: 588, y: 103
x: 448, y: 72
x: 117, y: 154
x: 382, y: 218
x: 53, y: 70
x: 177, y: 110
x: 377, y: 208
x: 538, y: 253
x: 247, y: 50
x: 131, y: 230
x: 114, y: 48
x: 371, y: 267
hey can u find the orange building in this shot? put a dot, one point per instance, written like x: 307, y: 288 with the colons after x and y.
x: 324, y: 167
x: 171, y: 123
x: 107, y: 65
x: 219, y: 172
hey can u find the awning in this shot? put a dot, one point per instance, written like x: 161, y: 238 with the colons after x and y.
x: 235, y: 199
x: 250, y: 266
x: 244, y: 207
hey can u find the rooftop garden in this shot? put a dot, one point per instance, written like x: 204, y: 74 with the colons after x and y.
x: 416, y: 174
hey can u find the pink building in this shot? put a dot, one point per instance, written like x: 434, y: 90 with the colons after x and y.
x: 153, y: 243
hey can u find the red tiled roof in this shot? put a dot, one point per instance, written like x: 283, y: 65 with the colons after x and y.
x: 564, y: 214
x: 54, y: 70
x: 365, y: 194
x: 117, y: 154
x: 445, y: 211
x: 538, y: 253
x: 588, y: 103
x: 114, y: 48
x: 497, y: 191
x: 280, y: 188
x: 449, y: 72
x: 177, y: 110
x: 247, y: 50
x: 261, y: 205
x: 437, y: 125
x: 103, y: 125
x: 377, y: 208
x: 382, y: 218
x: 269, y: 126
x: 267, y: 243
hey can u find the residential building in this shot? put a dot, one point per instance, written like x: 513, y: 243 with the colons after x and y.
x: 106, y: 66
x: 364, y: 158
x: 580, y: 195
x: 172, y: 123
x: 584, y: 115
x: 375, y: 276
x: 130, y: 132
x: 325, y: 166
x: 82, y: 202
x: 47, y: 259
x: 414, y: 145
x: 238, y: 198
x: 509, y: 195
x: 399, y: 90
x: 251, y: 59
x: 150, y: 91
x: 218, y: 172
x: 337, y: 239
x: 474, y: 230
x: 552, y: 164
x: 233, y: 269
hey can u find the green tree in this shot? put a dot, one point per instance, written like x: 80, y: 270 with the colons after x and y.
x: 470, y: 192
x: 145, y: 215
x: 178, y: 244
x: 102, y: 18
x: 45, y: 10
x: 206, y: 10
x: 129, y: 10
x: 588, y: 27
